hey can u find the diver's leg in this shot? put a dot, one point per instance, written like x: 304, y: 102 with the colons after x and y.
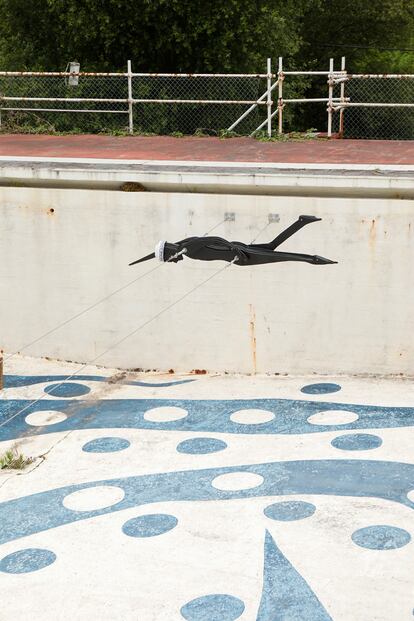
x: 259, y: 258
x: 291, y: 230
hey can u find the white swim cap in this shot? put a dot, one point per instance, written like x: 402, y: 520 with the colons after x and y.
x: 159, y: 251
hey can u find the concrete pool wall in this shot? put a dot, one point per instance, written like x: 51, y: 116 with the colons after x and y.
x: 65, y: 243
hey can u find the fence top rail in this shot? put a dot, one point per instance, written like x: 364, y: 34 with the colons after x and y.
x: 61, y: 74
x: 66, y: 99
x: 339, y: 73
x: 363, y: 76
x: 120, y: 74
x: 362, y: 104
x: 203, y: 75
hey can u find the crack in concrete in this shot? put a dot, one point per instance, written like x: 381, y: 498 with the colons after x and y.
x: 117, y: 378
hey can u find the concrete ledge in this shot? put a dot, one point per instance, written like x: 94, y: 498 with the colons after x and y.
x: 243, y: 178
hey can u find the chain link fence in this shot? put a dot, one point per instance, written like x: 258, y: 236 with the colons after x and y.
x: 99, y: 103
x: 205, y: 104
x: 159, y: 117
x: 50, y: 103
x: 389, y: 122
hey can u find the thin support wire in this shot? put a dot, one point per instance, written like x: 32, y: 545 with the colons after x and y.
x: 260, y: 232
x: 124, y: 338
x: 95, y: 304
x: 82, y: 312
x: 214, y: 227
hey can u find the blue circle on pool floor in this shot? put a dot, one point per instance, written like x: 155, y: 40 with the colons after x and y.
x: 289, y: 510
x: 201, y: 446
x: 150, y: 525
x: 215, y: 607
x: 67, y: 389
x: 357, y: 442
x: 105, y: 445
x: 381, y: 537
x: 27, y: 560
x: 320, y: 389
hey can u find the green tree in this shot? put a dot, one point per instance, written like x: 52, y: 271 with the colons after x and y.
x: 356, y: 29
x: 157, y: 35
x: 331, y: 28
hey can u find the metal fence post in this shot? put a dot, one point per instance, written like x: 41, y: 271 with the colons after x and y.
x: 330, y: 95
x: 269, y: 97
x: 341, y: 112
x: 130, y: 101
x: 280, y: 78
x: 1, y: 373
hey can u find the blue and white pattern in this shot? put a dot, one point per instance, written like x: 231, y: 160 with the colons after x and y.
x: 153, y: 500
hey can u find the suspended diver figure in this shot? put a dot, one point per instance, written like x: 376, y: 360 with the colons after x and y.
x: 219, y: 249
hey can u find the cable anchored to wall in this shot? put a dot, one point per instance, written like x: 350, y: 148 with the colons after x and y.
x: 123, y: 339
x: 92, y: 306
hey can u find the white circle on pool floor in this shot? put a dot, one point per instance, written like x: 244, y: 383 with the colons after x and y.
x: 410, y: 495
x: 45, y: 417
x: 93, y: 498
x: 234, y: 481
x: 333, y: 417
x: 165, y: 414
x: 252, y: 417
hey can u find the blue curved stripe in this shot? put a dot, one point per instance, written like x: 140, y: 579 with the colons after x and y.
x: 286, y: 595
x: 18, y: 381
x: 377, y: 479
x: 203, y: 415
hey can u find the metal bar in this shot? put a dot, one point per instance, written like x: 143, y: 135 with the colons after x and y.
x: 199, y: 101
x: 264, y: 123
x: 269, y: 97
x: 311, y: 100
x: 130, y: 100
x: 62, y: 110
x: 1, y: 373
x: 90, y: 99
x: 280, y: 104
x: 339, y: 73
x: 59, y: 74
x: 330, y: 96
x: 201, y: 75
x: 341, y: 112
x: 375, y: 105
x: 383, y: 76
x: 250, y: 109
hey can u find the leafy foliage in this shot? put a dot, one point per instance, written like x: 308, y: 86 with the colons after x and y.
x: 157, y: 35
x: 215, y: 36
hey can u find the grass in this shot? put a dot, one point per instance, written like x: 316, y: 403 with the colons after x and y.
x: 309, y: 134
x: 261, y: 136
x: 13, y: 460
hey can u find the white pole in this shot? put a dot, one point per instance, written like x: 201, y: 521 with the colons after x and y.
x: 252, y: 107
x: 264, y: 123
x: 330, y: 95
x: 341, y: 112
x: 130, y: 101
x: 280, y: 78
x: 269, y: 97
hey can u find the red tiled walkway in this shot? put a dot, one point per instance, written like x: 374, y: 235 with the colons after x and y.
x: 209, y: 149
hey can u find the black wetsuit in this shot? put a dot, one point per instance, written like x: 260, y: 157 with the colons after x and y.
x: 219, y: 249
